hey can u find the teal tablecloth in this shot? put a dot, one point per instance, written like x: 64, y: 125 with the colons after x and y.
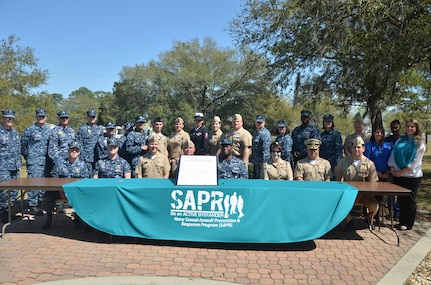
x: 244, y: 211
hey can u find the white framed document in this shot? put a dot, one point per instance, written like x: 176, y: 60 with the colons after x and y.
x: 197, y: 170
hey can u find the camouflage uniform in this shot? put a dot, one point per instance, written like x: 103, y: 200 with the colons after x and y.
x: 232, y: 169
x: 88, y: 136
x: 101, y: 148
x: 332, y: 147
x: 10, y: 159
x: 260, y: 150
x: 59, y: 140
x: 153, y: 166
x: 286, y: 143
x: 299, y: 135
x: 115, y: 168
x: 34, y: 148
x: 135, y: 141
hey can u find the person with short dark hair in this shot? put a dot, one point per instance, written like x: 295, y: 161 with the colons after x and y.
x: 359, y: 126
x: 285, y: 140
x: 332, y: 143
x: 302, y: 133
x: 112, y: 166
x: 229, y: 166
x: 277, y: 168
x: 395, y: 132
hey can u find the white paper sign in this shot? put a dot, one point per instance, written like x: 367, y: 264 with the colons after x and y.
x: 197, y: 170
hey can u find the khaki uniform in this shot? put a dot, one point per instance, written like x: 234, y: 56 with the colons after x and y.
x: 241, y: 139
x: 214, y: 142
x: 320, y: 171
x: 348, y: 141
x: 162, y: 141
x: 277, y: 171
x: 153, y: 166
x: 365, y: 170
x: 176, y: 141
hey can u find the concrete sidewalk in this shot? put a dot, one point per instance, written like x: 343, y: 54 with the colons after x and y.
x: 31, y: 255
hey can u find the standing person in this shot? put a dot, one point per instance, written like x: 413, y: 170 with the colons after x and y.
x: 161, y: 139
x: 285, y: 140
x: 241, y: 138
x: 260, y: 146
x: 359, y: 126
x: 405, y: 165
x: 378, y: 151
x: 229, y: 166
x: 396, y: 132
x: 332, y: 144
x: 10, y: 159
x: 88, y: 135
x: 60, y: 138
x: 34, y: 149
x: 136, y: 143
x: 313, y: 167
x: 112, y: 166
x: 277, y: 168
x: 101, y: 148
x: 302, y: 133
x: 127, y: 127
x: 357, y: 167
x: 153, y: 164
x: 176, y: 141
x: 70, y: 167
x: 216, y: 136
x: 199, y: 135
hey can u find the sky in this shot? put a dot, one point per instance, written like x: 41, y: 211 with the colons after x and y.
x: 86, y: 43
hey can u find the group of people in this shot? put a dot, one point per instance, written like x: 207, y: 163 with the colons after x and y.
x: 307, y: 154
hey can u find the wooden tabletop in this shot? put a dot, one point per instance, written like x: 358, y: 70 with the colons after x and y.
x: 47, y: 184
x: 380, y: 188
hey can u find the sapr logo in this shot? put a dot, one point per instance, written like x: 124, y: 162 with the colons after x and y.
x: 207, y: 203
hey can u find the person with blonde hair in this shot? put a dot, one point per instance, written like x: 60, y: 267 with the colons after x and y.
x: 216, y: 136
x: 405, y: 164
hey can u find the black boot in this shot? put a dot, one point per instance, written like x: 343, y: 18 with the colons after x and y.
x: 48, y: 223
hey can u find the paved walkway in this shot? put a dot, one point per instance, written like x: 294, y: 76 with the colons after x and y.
x: 30, y: 255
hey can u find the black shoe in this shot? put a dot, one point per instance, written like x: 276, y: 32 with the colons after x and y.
x: 349, y: 227
x: 36, y: 211
x: 47, y: 224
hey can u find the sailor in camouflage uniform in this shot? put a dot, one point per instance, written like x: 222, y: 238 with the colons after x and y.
x: 136, y: 143
x: 127, y: 127
x: 332, y: 145
x: 34, y: 149
x: 60, y: 138
x: 302, y: 133
x: 70, y: 167
x: 101, y: 148
x: 113, y: 166
x: 260, y: 148
x: 285, y: 140
x: 229, y: 166
x: 88, y: 135
x: 10, y: 158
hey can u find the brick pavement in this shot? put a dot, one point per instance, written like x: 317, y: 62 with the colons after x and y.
x: 32, y: 255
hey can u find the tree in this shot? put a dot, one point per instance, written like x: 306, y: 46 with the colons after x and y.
x: 192, y: 77
x: 356, y: 50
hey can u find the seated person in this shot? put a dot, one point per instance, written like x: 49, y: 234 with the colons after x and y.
x: 313, y: 167
x: 357, y: 167
x: 277, y: 168
x: 153, y: 164
x: 113, y: 166
x: 229, y: 166
x: 188, y: 148
x: 71, y: 167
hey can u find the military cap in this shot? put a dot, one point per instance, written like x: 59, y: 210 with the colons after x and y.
x: 358, y: 141
x: 226, y: 142
x: 328, y: 117
x: 237, y: 117
x: 63, y: 114
x: 128, y: 126
x: 8, y: 113
x: 198, y: 116
x: 179, y: 120
x: 260, y: 119
x: 158, y: 119
x: 140, y: 119
x: 282, y: 124
x: 74, y: 144
x: 305, y: 113
x: 113, y: 142
x: 91, y: 113
x: 188, y: 143
x: 110, y: 125
x: 216, y: 119
x: 313, y: 143
x: 41, y: 112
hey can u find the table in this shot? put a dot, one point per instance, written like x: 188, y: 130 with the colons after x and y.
x: 26, y: 184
